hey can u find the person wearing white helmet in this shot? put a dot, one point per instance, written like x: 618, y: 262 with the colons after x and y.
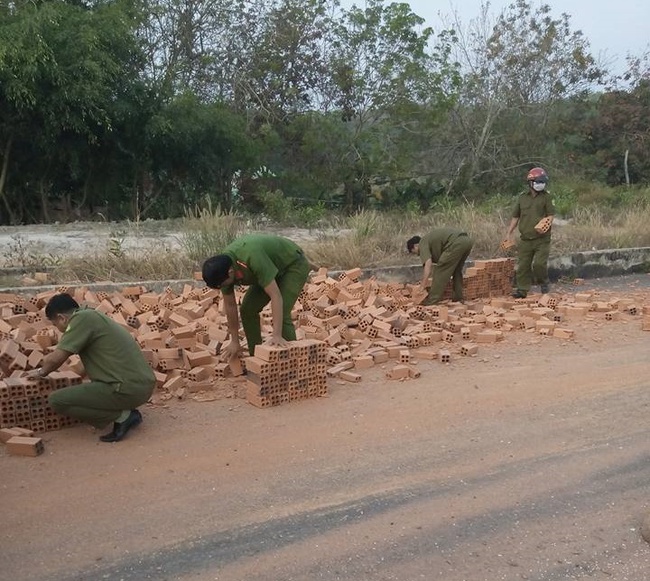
x: 533, y: 213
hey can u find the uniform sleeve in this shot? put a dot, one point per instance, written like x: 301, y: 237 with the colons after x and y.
x: 76, y: 336
x: 262, y: 268
x: 516, y: 210
x: 425, y: 251
x: 550, y: 208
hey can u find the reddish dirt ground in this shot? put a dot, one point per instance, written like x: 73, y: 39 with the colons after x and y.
x: 529, y: 461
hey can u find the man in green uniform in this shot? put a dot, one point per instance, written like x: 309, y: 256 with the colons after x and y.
x: 535, y: 243
x: 448, y: 248
x: 120, y: 378
x: 275, y: 269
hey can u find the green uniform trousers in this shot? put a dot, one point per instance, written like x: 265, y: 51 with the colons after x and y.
x: 96, y: 403
x: 291, y: 283
x: 532, y: 262
x: 450, y: 265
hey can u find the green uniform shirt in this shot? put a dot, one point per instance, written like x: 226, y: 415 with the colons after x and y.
x: 259, y: 258
x: 108, y: 352
x: 530, y: 210
x: 434, y: 243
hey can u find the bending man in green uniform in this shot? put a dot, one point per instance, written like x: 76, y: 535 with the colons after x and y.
x: 275, y: 269
x: 120, y: 378
x: 535, y: 242
x: 448, y: 248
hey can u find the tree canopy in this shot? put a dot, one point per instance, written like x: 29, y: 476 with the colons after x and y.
x: 140, y: 108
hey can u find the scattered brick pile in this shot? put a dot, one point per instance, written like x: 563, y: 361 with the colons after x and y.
x: 368, y: 323
x: 344, y: 326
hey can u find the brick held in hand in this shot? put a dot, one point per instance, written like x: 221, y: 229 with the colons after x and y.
x: 544, y: 225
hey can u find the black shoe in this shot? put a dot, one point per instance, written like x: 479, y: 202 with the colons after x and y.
x: 519, y: 294
x: 545, y: 288
x: 121, y: 429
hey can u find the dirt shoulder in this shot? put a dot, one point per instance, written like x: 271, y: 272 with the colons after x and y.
x: 529, y: 461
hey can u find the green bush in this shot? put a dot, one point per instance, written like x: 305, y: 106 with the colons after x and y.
x: 276, y: 206
x: 565, y: 200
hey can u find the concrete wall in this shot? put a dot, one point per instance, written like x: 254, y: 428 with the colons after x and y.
x: 600, y: 263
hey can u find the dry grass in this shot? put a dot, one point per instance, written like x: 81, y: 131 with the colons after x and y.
x: 379, y: 239
x: 204, y: 232
x: 593, y: 228
x: 142, y: 264
x: 366, y: 239
x: 207, y: 230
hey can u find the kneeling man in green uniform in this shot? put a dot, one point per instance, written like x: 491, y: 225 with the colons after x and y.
x: 448, y: 248
x: 274, y: 269
x: 120, y: 378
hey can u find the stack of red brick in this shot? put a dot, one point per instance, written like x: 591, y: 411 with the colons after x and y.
x: 24, y: 404
x: 487, y: 278
x: 277, y: 375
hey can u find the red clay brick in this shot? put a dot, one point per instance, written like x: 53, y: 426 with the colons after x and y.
x: 25, y: 446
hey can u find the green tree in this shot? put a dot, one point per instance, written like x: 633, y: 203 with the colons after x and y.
x: 63, y: 69
x: 617, y: 137
x: 391, y: 83
x: 517, y: 69
x: 196, y: 148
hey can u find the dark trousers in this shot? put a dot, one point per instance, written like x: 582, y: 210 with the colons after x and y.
x: 450, y: 265
x: 532, y: 262
x: 96, y: 403
x: 291, y: 283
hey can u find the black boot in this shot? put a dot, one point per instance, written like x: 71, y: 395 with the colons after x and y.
x: 120, y: 429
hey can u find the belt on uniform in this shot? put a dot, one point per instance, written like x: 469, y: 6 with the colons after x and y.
x: 300, y: 256
x: 455, y: 236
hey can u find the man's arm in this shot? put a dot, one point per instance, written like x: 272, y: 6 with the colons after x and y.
x: 426, y: 272
x: 511, y: 227
x: 51, y: 362
x: 232, y: 319
x: 277, y: 304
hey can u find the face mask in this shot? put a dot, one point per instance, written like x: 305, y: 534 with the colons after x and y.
x: 539, y: 186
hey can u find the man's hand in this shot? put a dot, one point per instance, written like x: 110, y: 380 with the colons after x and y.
x: 275, y: 341
x: 230, y: 351
x: 34, y: 373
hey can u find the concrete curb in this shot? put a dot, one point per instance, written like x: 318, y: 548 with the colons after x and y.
x: 600, y: 263
x: 591, y: 264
